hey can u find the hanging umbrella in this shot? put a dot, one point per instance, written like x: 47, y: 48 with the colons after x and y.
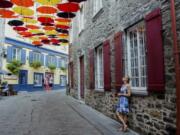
x: 51, y: 32
x: 63, y: 20
x: 47, y: 24
x: 35, y: 31
x: 46, y: 10
x: 45, y: 20
x: 24, y: 33
x: 23, y: 11
x: 64, y: 40
x: 32, y: 27
x: 68, y: 7
x: 62, y: 31
x: 43, y: 38
x: 5, y: 4
x: 15, y: 23
x: 37, y: 43
x: 18, y: 28
x: 5, y: 12
x: 45, y: 41
x: 8, y: 16
x: 29, y: 20
x: 65, y: 27
x: 52, y: 36
x: 77, y: 1
x: 48, y: 2
x: 23, y: 3
x: 66, y: 15
x: 55, y: 41
x: 49, y: 28
x: 62, y: 23
x: 39, y: 34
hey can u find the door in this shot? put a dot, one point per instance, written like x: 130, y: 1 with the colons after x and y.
x: 23, y: 75
x: 82, y: 76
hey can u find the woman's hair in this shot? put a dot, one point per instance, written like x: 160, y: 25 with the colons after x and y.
x: 128, y: 78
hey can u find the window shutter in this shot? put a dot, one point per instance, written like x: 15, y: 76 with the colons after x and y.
x: 91, y: 70
x: 30, y: 57
x: 107, y: 65
x: 46, y: 60
x: 118, y: 44
x: 9, y: 54
x: 23, y: 56
x: 42, y: 59
x: 155, y: 56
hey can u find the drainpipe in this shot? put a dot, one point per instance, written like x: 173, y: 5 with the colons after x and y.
x: 177, y: 64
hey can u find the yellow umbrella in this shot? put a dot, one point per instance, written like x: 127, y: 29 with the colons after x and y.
x: 49, y: 16
x: 64, y: 37
x: 34, y: 31
x: 29, y: 20
x: 64, y: 44
x: 48, y: 2
x: 23, y: 11
x: 34, y: 38
x: 62, y: 23
x: 51, y: 32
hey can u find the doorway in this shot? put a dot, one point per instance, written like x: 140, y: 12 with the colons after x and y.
x: 82, y: 77
x: 23, y: 75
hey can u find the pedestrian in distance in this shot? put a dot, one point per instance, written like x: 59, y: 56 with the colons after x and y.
x: 122, y: 109
x: 50, y: 82
x: 46, y: 83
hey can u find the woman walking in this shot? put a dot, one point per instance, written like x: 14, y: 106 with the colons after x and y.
x: 46, y: 83
x: 122, y: 110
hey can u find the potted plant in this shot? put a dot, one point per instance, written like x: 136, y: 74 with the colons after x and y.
x: 14, y: 67
x: 63, y: 69
x: 36, y: 64
x: 52, y: 67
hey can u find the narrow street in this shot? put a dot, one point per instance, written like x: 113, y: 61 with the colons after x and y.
x: 52, y: 113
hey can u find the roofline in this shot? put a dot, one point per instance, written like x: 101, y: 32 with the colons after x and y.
x: 30, y: 46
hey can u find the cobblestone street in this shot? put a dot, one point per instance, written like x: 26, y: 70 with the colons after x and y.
x: 52, y: 113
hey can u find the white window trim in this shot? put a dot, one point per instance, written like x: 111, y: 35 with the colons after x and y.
x: 96, y: 7
x: 135, y: 90
x: 97, y: 77
x: 17, y: 54
x: 35, y: 55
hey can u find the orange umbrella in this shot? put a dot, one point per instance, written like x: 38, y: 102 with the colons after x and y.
x: 5, y: 12
x: 8, y: 16
x: 32, y: 26
x: 68, y: 7
x: 49, y: 28
x: 63, y: 27
x: 23, y: 3
x: 37, y: 43
x: 46, y: 10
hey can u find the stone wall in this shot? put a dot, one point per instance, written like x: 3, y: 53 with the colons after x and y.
x: 154, y: 114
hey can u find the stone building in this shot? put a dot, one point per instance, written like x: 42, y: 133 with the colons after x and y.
x: 113, y: 38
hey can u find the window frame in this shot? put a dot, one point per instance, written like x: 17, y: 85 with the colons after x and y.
x: 128, y: 57
x: 39, y: 74
x: 99, y: 69
x: 36, y: 55
x: 51, y: 59
x: 17, y: 54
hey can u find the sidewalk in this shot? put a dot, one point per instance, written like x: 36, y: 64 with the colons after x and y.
x: 102, y: 123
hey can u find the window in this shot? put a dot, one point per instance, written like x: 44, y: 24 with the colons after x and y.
x: 51, y: 60
x: 81, y: 18
x: 38, y: 79
x: 97, y: 6
x: 36, y: 56
x: 63, y: 80
x: 136, y: 57
x: 63, y: 63
x: 16, y: 54
x: 99, y: 76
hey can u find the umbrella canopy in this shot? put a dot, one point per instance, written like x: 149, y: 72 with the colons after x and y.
x: 5, y: 4
x: 52, y: 36
x: 55, y: 41
x: 78, y: 1
x: 45, y: 41
x: 46, y: 10
x: 51, y: 32
x: 64, y: 40
x: 68, y: 7
x: 18, y: 28
x: 35, y: 31
x: 63, y: 20
x: 8, y: 16
x: 5, y: 12
x: 62, y: 27
x: 15, y: 23
x: 29, y: 20
x: 24, y: 3
x: 23, y: 11
x: 66, y: 15
x: 49, y: 28
x: 45, y: 20
x: 37, y: 43
x: 47, y: 24
x: 48, y: 2
x: 62, y: 31
x: 32, y: 27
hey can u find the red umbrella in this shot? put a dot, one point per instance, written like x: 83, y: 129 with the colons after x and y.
x: 32, y: 26
x: 78, y: 1
x: 46, y: 10
x: 68, y: 7
x: 47, y: 24
x: 5, y: 12
x: 55, y: 41
x: 5, y: 4
x: 66, y: 15
x: 45, y: 20
x: 62, y: 27
x: 63, y: 20
x: 18, y: 28
x: 23, y: 3
x: 49, y: 28
x: 45, y: 41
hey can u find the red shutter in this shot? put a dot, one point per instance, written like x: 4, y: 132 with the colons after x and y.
x: 107, y: 66
x: 118, y: 44
x: 91, y: 72
x: 155, y: 56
